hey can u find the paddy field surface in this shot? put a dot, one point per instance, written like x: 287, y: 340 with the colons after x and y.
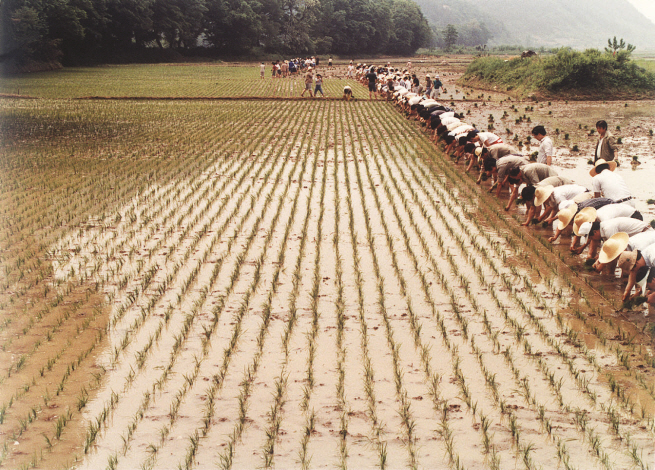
x: 290, y: 284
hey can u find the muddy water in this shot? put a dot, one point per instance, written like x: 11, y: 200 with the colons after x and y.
x: 339, y: 295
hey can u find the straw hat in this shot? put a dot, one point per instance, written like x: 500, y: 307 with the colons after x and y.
x: 600, y: 161
x: 565, y: 216
x: 613, y: 247
x: 627, y: 261
x: 588, y: 214
x: 542, y: 193
x: 478, y: 151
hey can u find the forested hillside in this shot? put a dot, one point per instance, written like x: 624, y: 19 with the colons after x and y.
x: 38, y: 32
x: 575, y: 23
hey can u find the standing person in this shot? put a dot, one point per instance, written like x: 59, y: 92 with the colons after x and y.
x: 309, y: 79
x: 409, y: 65
x: 330, y: 62
x: 372, y: 83
x: 546, y: 149
x: 436, y: 86
x: 285, y: 68
x: 273, y: 69
x: 606, y: 146
x: 262, y: 70
x: 319, y: 85
x: 428, y: 85
x: 351, y: 69
x: 416, y: 84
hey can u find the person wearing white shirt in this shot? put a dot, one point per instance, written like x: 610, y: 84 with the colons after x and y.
x: 609, y: 184
x: 546, y: 149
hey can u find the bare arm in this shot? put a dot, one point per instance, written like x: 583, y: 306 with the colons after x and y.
x: 632, y: 279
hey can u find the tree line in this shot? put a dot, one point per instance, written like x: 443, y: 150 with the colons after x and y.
x: 75, y: 32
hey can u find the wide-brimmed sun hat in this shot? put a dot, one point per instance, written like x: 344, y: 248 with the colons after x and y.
x: 600, y: 161
x: 542, y: 193
x: 565, y: 216
x: 588, y: 214
x: 627, y: 261
x: 583, y: 197
x: 478, y: 151
x: 613, y: 247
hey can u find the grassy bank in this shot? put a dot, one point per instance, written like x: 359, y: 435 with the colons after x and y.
x: 567, y: 74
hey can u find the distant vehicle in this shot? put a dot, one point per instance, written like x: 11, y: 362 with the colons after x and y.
x: 528, y: 53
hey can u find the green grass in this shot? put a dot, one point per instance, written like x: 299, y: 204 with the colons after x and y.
x: 175, y: 81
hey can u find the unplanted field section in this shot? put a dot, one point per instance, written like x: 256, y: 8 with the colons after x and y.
x: 308, y: 287
x: 169, y: 80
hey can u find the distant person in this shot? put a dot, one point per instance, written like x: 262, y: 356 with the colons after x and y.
x: 372, y: 78
x: 606, y: 147
x: 262, y: 70
x: 347, y: 93
x: 309, y: 79
x: 319, y: 85
x: 351, y: 69
x: 546, y: 149
x: 330, y: 62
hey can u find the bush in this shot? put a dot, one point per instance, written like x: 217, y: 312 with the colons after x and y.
x: 591, y: 72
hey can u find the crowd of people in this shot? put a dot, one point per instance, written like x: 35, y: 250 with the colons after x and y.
x: 601, y: 219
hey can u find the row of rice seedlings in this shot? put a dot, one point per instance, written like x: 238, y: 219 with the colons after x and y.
x: 275, y: 415
x: 215, y: 273
x: 410, y: 213
x: 342, y: 403
x: 226, y: 457
x: 312, y: 337
x: 179, y: 339
x: 208, y: 332
x: 377, y: 430
x: 407, y: 419
x: 416, y: 327
x: 252, y: 369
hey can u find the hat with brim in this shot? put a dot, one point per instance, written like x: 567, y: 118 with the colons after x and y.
x: 478, y: 151
x: 600, y: 161
x: 565, y: 216
x: 588, y: 214
x: 627, y: 261
x: 613, y: 247
x: 542, y: 193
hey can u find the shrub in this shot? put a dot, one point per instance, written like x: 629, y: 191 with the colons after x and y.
x: 591, y: 72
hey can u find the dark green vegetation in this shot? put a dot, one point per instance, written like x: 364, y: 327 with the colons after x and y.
x: 586, y: 74
x: 42, y: 34
x: 550, y: 23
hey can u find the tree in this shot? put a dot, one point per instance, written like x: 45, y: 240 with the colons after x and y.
x: 450, y: 36
x: 615, y: 46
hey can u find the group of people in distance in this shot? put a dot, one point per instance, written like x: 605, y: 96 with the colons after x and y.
x: 386, y: 81
x: 601, y: 219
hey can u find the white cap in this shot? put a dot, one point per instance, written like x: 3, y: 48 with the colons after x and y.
x: 584, y: 229
x: 564, y: 204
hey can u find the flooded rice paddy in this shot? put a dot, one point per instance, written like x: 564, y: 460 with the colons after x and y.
x: 309, y: 285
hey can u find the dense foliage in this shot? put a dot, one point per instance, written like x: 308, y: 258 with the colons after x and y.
x: 590, y: 72
x: 87, y: 31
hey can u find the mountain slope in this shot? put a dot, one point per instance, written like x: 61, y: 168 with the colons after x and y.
x: 576, y: 23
